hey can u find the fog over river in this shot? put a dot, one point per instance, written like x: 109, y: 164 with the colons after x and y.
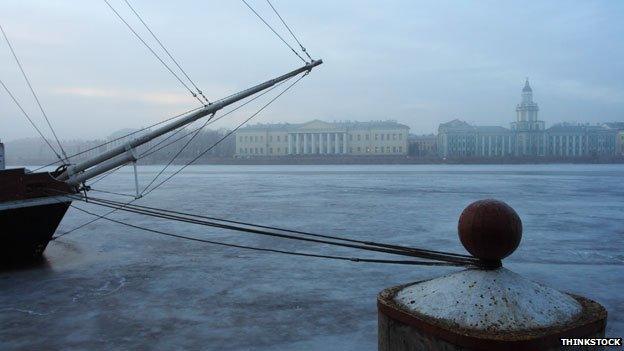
x: 108, y: 286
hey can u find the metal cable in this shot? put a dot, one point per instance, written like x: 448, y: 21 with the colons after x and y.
x: 290, y: 30
x: 292, y: 253
x: 106, y: 174
x: 412, y: 252
x: 91, y: 221
x: 273, y: 30
x: 167, y: 51
x: 228, y: 134
x: 111, y: 192
x: 178, y: 153
x: 423, y: 253
x: 154, y: 52
x: 32, y: 90
x: 30, y: 120
x: 146, y: 154
x: 122, y: 137
x: 201, y: 154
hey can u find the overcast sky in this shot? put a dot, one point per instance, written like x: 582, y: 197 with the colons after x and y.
x: 421, y: 63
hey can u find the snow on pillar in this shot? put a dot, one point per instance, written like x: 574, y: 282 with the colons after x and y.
x: 485, y: 309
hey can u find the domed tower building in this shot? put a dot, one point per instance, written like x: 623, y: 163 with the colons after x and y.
x: 529, y: 131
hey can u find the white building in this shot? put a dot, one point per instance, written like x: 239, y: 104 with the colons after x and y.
x: 323, y: 138
x: 528, y: 130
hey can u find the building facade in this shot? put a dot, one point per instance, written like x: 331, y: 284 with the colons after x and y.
x: 529, y: 132
x: 619, y: 138
x: 528, y: 137
x: 456, y: 139
x: 422, y: 145
x: 322, y: 138
x: 581, y: 140
x: 460, y: 139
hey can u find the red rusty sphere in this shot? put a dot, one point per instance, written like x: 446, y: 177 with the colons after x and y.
x: 490, y: 229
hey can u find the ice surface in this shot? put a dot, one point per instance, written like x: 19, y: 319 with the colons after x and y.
x: 112, y: 287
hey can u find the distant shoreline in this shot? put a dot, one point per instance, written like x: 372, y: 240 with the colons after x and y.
x: 372, y: 160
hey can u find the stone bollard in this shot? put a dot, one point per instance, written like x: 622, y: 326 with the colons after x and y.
x: 485, y: 309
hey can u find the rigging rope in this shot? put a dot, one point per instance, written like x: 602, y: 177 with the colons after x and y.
x: 292, y: 253
x: 167, y: 51
x: 228, y: 134
x: 273, y: 30
x: 201, y: 154
x: 122, y: 137
x: 146, y: 154
x: 111, y: 192
x: 102, y: 177
x: 178, y: 215
x: 290, y: 30
x: 30, y: 120
x: 153, y: 149
x: 32, y: 90
x: 178, y: 153
x: 154, y: 53
x: 149, y: 151
x: 441, y: 257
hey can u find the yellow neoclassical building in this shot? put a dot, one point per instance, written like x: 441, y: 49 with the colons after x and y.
x: 323, y: 138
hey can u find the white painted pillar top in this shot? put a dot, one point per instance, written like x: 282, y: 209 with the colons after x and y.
x: 493, y: 300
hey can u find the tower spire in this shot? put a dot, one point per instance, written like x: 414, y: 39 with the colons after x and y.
x: 527, y: 87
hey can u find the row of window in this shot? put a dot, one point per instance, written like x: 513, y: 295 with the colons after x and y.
x: 378, y: 150
x: 388, y: 136
x: 358, y: 137
x: 260, y: 138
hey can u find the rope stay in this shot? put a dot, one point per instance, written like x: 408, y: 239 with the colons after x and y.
x: 166, y: 51
x: 155, y: 148
x: 432, y: 257
x: 122, y: 137
x: 200, y: 154
x: 148, y: 153
x: 274, y: 31
x: 32, y: 90
x: 178, y: 215
x: 254, y: 248
x: 303, y: 49
x: 195, y: 133
x: 228, y: 133
x: 30, y: 120
x: 138, y: 36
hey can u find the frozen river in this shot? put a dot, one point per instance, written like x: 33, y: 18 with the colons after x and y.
x: 108, y: 286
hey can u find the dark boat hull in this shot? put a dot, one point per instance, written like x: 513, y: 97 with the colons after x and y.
x: 28, y: 230
x: 31, y: 207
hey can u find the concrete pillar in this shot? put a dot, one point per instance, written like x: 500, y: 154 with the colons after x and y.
x: 328, y: 143
x: 289, y: 136
x: 486, y: 307
x: 482, y: 146
x: 296, y: 141
x: 305, y: 143
x: 336, y: 143
x: 320, y: 135
x: 344, y: 143
x: 313, y: 151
